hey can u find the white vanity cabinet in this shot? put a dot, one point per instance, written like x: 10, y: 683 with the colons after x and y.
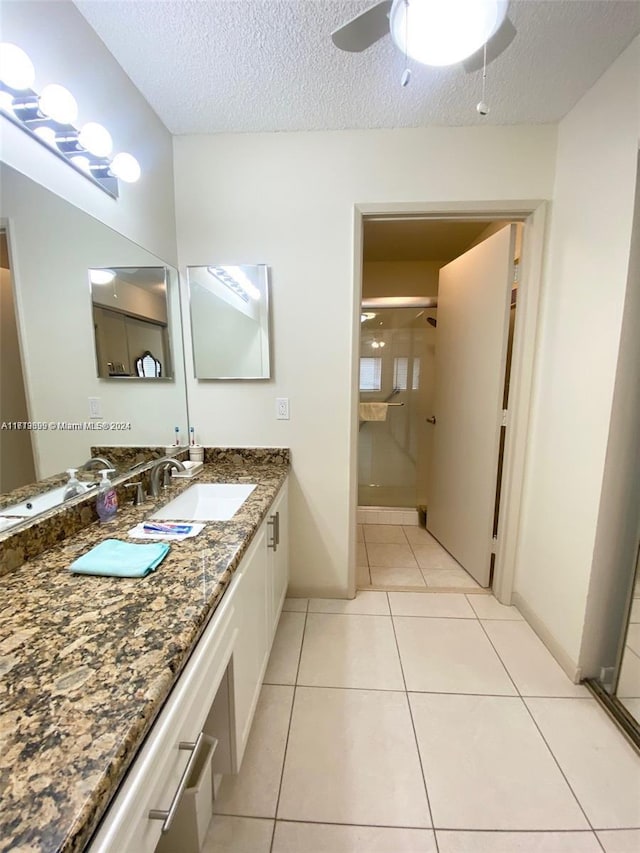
x: 264, y: 577
x: 237, y: 643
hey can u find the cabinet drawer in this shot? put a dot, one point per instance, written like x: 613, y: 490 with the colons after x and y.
x: 155, y: 776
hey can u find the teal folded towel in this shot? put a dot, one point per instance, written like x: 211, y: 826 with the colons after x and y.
x: 121, y: 559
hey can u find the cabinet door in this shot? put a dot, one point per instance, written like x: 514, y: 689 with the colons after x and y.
x: 280, y: 556
x: 253, y: 641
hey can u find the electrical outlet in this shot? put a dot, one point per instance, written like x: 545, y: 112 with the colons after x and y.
x: 95, y: 407
x: 282, y: 408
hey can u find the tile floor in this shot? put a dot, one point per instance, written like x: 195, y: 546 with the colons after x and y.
x: 407, y: 723
x: 396, y: 556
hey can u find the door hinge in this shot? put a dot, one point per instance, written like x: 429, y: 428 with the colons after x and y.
x: 504, y: 417
x: 494, y: 544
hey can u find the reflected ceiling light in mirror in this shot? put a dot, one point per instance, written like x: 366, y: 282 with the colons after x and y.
x: 239, y: 275
x: 49, y: 117
x: 101, y: 276
x: 236, y: 280
x: 434, y: 32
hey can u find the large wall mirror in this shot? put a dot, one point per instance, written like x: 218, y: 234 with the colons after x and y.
x: 48, y: 357
x: 229, y: 308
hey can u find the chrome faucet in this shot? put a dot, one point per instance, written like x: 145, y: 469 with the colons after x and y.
x: 159, y: 469
x: 96, y: 462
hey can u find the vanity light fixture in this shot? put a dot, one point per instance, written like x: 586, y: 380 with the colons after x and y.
x: 49, y: 117
x: 235, y: 279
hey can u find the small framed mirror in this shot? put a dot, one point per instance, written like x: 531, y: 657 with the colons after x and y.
x: 229, y: 308
x: 131, y: 322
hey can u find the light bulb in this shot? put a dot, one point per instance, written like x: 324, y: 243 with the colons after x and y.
x: 375, y: 344
x: 6, y: 102
x: 16, y: 69
x: 58, y: 103
x: 101, y: 276
x: 443, y: 32
x: 47, y: 134
x: 81, y: 162
x: 96, y: 139
x: 125, y: 167
x: 244, y: 281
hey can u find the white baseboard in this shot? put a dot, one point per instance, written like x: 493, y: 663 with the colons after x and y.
x: 566, y: 662
x: 387, y: 515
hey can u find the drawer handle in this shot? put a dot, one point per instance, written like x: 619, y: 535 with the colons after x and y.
x: 273, y: 523
x: 168, y: 816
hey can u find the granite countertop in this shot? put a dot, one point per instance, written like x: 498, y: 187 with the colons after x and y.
x: 87, y: 662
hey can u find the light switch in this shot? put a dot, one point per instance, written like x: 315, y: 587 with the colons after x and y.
x: 95, y: 407
x: 282, y: 408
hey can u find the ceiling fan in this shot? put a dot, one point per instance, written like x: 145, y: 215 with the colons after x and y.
x: 433, y: 32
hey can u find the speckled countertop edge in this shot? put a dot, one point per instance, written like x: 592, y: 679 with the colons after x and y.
x: 88, y: 662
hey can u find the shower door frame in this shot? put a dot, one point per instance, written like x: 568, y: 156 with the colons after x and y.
x: 391, y: 302
x: 532, y: 213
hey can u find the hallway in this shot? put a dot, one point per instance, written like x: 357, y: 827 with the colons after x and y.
x: 409, y: 723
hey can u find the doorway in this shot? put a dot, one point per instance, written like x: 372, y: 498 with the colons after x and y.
x: 17, y: 466
x: 402, y: 340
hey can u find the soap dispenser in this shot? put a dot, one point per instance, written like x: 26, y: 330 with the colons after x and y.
x: 74, y: 486
x: 107, y: 502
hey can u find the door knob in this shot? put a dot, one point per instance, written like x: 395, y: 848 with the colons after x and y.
x: 431, y: 420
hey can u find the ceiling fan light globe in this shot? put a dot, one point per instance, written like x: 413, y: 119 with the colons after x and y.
x: 443, y: 32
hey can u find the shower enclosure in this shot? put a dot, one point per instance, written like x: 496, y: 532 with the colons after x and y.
x: 397, y: 361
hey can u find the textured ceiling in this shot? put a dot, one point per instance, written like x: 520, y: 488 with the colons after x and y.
x: 210, y: 66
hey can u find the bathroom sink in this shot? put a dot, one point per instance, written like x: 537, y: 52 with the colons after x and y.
x: 39, y: 503
x: 207, y: 502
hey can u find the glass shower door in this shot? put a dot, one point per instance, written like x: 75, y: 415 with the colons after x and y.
x: 396, y: 368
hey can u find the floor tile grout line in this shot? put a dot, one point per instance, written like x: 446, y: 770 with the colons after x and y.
x: 415, y: 734
x: 434, y: 829
x: 286, y: 745
x: 427, y: 692
x: 564, y: 776
x: 539, y: 730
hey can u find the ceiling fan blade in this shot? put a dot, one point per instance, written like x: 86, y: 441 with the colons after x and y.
x: 363, y: 30
x: 498, y: 42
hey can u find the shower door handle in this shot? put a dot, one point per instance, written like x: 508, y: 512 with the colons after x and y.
x: 431, y: 420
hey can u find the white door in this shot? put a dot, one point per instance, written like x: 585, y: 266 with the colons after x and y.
x: 474, y: 296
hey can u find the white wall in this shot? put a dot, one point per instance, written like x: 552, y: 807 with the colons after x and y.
x: 287, y: 200
x: 65, y: 49
x: 581, y: 316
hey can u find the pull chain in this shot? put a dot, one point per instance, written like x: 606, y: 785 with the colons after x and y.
x: 406, y: 74
x: 482, y: 107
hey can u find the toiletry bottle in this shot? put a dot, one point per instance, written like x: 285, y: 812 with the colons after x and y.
x: 74, y: 486
x: 107, y: 503
x: 177, y: 433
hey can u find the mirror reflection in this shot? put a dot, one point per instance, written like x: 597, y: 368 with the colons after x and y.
x: 628, y: 688
x: 53, y: 407
x: 230, y: 321
x: 130, y: 320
